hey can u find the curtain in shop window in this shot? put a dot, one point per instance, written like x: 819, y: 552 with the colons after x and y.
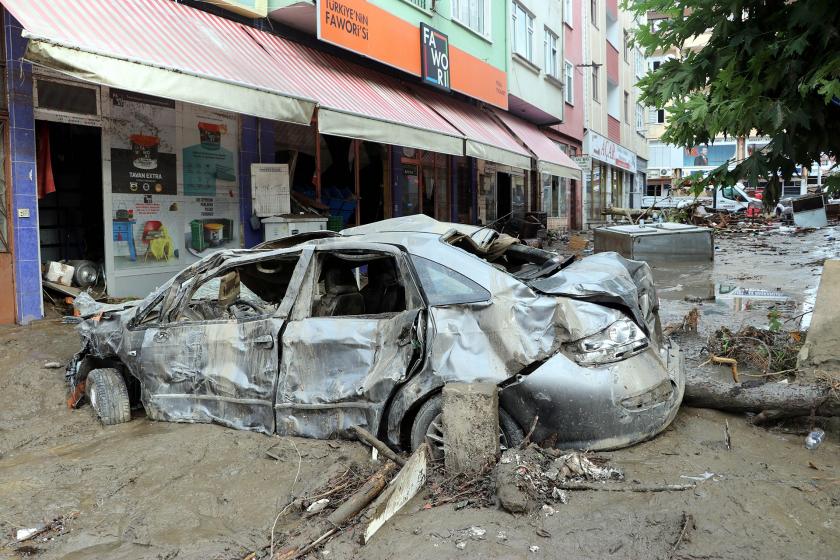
x: 46, y: 181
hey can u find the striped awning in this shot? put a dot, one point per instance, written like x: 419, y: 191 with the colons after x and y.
x: 485, y: 138
x: 166, y: 49
x: 550, y: 158
x: 356, y: 102
x: 161, y: 48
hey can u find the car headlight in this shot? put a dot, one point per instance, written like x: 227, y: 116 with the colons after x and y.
x: 620, y: 340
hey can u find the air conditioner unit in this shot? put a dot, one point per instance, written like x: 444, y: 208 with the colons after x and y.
x: 664, y: 172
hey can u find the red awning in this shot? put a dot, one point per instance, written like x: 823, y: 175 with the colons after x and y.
x: 550, y: 158
x: 485, y: 137
x: 161, y: 48
x: 356, y: 102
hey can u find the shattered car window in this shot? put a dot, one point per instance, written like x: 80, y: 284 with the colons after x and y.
x: 508, y: 254
x: 444, y: 286
x: 244, y: 292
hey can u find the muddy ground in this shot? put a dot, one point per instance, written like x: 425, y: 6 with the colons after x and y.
x: 155, y: 490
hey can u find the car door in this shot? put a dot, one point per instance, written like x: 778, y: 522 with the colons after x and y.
x: 338, y: 369
x: 220, y: 370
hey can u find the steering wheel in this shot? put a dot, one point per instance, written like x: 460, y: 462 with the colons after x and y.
x: 244, y: 303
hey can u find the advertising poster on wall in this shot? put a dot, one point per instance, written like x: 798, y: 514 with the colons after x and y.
x: 144, y: 181
x: 208, y: 156
x: 210, y: 224
x: 707, y: 155
x: 145, y: 231
x: 142, y: 139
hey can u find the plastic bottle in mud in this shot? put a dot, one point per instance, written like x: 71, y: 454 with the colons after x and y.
x: 814, y: 439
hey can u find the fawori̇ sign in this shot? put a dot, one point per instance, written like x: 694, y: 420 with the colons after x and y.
x: 434, y: 57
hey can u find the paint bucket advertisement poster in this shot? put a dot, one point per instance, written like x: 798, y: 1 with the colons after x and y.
x: 146, y: 231
x: 209, y: 153
x: 210, y: 224
x: 142, y: 136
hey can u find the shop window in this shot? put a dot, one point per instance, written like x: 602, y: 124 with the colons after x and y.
x: 551, y: 51
x: 523, y: 32
x: 653, y: 190
x: 474, y: 14
x: 59, y: 96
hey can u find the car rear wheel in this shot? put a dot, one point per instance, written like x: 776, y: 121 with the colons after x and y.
x: 428, y: 426
x: 108, y: 396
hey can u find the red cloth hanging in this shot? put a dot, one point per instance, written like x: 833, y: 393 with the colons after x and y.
x: 46, y: 180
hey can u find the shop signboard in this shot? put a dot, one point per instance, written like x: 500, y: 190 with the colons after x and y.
x: 434, y: 53
x: 370, y: 31
x: 606, y: 150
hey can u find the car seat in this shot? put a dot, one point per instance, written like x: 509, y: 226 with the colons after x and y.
x: 342, y: 296
x: 383, y: 293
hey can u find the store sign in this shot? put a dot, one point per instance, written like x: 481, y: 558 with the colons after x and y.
x: 247, y: 8
x: 373, y: 32
x: 434, y: 57
x: 584, y: 162
x: 609, y: 152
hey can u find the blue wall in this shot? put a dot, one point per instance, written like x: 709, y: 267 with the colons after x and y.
x: 24, y: 184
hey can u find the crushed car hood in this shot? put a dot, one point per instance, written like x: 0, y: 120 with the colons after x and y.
x: 609, y: 279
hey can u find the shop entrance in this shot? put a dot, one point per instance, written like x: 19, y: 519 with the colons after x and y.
x: 70, y: 213
x: 503, y: 198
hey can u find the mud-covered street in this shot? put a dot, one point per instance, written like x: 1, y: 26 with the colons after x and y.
x: 161, y: 490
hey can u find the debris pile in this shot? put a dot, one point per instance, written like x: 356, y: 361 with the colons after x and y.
x: 527, y: 479
x: 768, y: 351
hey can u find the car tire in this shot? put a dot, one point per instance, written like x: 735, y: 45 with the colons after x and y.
x: 429, y: 417
x: 108, y: 396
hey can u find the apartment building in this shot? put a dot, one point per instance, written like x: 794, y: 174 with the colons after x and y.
x: 614, y: 157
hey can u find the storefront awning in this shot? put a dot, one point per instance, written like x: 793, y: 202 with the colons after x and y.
x: 356, y: 102
x: 485, y: 137
x: 550, y: 158
x: 161, y: 48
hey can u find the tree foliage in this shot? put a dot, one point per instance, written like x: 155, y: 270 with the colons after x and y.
x: 769, y: 67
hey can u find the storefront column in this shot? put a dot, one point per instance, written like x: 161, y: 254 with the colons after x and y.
x: 256, y: 146
x: 27, y: 258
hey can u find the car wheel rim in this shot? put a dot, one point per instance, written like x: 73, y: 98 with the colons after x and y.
x: 434, y: 437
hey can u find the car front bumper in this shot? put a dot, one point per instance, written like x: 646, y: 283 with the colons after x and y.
x: 598, y: 408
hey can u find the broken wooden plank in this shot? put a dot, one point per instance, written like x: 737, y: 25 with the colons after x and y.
x: 374, y: 442
x: 405, y: 486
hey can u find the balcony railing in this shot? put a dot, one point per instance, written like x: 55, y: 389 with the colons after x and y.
x: 419, y: 3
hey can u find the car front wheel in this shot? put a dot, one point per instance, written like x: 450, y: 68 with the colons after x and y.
x: 428, y: 426
x: 108, y: 396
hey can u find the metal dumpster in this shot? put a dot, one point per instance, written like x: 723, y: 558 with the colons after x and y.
x: 657, y: 242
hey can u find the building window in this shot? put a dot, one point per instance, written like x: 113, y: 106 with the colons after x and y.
x: 626, y: 107
x: 596, y: 85
x: 569, y: 82
x: 653, y: 190
x: 550, y: 46
x: 640, y: 66
x: 640, y: 118
x: 568, y: 14
x: 593, y: 10
x: 474, y: 14
x: 523, y: 32
x: 573, y: 151
x: 657, y: 116
x: 626, y: 47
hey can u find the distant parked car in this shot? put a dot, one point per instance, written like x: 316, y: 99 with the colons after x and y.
x: 313, y: 334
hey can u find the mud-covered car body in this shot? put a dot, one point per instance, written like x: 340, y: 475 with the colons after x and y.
x: 312, y: 335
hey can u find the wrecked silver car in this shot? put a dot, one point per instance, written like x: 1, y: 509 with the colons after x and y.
x: 313, y: 334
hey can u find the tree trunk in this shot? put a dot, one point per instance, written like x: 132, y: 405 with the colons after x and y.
x: 773, y: 400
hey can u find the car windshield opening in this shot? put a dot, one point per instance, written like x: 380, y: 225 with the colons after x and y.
x: 358, y: 284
